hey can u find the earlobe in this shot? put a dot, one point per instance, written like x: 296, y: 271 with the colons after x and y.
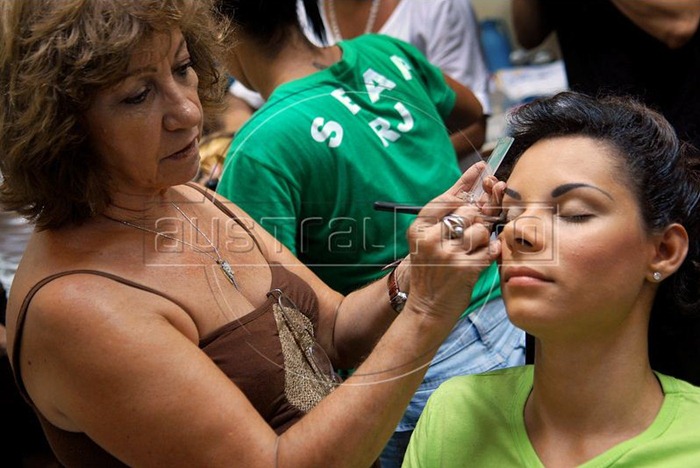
x: 671, y: 250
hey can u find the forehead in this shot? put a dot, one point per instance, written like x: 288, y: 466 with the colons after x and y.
x: 155, y: 48
x: 570, y: 156
x: 559, y: 161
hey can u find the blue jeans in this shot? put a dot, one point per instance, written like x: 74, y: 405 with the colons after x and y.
x: 482, y: 341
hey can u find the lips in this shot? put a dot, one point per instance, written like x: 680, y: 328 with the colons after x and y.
x: 523, y: 273
x: 184, y: 152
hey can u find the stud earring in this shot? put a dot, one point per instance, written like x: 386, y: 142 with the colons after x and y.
x: 657, y: 276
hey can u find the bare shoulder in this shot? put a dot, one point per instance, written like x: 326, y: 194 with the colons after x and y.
x: 83, y: 329
x: 91, y: 296
x: 94, y: 301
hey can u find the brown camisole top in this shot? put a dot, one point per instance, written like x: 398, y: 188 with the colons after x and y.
x: 253, y: 351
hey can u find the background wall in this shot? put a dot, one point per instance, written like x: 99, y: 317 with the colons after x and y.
x: 492, y: 9
x: 500, y: 9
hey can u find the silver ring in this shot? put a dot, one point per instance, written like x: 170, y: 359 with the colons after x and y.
x: 455, y: 226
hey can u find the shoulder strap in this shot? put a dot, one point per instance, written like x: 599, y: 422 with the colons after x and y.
x: 223, y: 208
x: 21, y: 318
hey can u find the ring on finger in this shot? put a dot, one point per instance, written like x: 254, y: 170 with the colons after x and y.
x: 455, y: 226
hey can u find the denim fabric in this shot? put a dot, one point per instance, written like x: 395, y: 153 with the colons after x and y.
x: 482, y: 341
x: 392, y: 456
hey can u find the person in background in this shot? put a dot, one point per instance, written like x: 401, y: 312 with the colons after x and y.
x: 601, y: 263
x: 152, y: 324
x: 647, y: 49
x: 15, y: 232
x: 445, y: 31
x: 342, y: 127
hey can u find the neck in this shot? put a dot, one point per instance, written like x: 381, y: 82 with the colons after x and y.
x: 600, y: 392
x: 351, y: 18
x: 590, y: 390
x: 133, y: 206
x: 296, y: 59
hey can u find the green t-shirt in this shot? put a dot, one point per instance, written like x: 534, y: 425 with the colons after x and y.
x: 477, y: 420
x: 311, y: 162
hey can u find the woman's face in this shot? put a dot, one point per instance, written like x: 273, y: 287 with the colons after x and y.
x: 575, y: 250
x: 147, y: 127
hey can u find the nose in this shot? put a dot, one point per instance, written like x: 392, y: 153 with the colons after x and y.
x: 183, y: 109
x: 527, y: 234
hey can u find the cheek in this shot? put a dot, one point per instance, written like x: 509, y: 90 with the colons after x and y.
x: 606, y: 261
x: 126, y: 135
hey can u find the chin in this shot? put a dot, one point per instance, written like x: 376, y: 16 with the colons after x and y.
x: 527, y: 315
x: 188, y: 175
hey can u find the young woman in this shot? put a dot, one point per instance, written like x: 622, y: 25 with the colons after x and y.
x: 600, y: 263
x: 149, y: 324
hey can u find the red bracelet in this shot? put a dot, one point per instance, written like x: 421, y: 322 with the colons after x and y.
x: 397, y: 298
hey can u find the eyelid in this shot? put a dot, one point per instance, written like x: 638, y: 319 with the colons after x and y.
x: 185, y: 61
x: 577, y: 205
x: 139, y: 97
x: 576, y: 218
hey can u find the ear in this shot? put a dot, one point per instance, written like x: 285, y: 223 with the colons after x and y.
x: 671, y: 248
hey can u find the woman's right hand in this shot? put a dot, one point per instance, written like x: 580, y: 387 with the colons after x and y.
x: 445, y: 266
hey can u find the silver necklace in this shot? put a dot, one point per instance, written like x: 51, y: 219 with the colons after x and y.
x: 223, y: 264
x: 371, y: 19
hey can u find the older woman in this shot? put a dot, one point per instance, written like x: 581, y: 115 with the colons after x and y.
x: 600, y: 262
x: 150, y: 323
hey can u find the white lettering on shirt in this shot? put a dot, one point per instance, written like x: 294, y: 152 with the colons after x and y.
x: 407, y: 124
x: 344, y: 99
x: 403, y: 66
x: 331, y: 131
x: 382, y: 128
x: 376, y: 83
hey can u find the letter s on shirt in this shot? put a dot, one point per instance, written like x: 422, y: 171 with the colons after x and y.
x: 330, y: 131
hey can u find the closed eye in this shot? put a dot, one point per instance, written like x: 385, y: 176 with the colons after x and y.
x: 578, y: 218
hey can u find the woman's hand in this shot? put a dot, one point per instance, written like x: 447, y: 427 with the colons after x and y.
x: 490, y: 202
x: 450, y: 244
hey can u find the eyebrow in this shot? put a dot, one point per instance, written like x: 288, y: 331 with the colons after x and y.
x: 512, y: 193
x: 560, y: 191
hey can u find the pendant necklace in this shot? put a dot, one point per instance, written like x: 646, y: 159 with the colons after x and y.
x: 223, y: 264
x: 371, y: 19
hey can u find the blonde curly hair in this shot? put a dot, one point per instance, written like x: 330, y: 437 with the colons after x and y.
x: 55, y: 56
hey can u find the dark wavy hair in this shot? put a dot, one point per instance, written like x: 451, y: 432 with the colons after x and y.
x: 55, y: 56
x: 664, y: 175
x: 270, y: 21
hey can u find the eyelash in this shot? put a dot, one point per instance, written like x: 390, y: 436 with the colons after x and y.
x: 181, y: 71
x: 511, y: 215
x: 582, y: 218
x: 139, y: 98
